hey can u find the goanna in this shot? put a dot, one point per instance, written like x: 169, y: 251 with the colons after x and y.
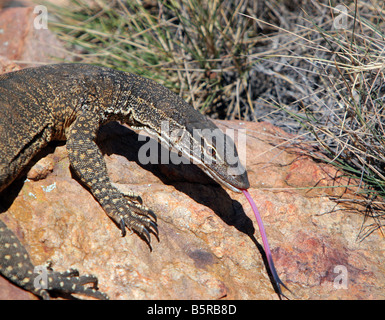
x: 70, y: 102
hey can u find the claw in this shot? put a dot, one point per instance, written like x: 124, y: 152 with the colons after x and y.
x: 122, y: 227
x: 134, y: 197
x: 147, y: 236
x: 155, y: 227
x: 139, y: 199
x: 128, y: 194
x: 154, y: 230
x: 152, y: 214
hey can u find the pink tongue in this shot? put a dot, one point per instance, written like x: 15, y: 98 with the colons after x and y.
x: 264, y: 241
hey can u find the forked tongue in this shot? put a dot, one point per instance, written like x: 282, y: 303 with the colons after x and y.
x: 277, y: 280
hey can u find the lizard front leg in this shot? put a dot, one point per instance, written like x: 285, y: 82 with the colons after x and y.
x: 88, y: 163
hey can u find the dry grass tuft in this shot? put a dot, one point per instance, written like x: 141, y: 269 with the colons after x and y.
x: 328, y: 85
x: 199, y: 48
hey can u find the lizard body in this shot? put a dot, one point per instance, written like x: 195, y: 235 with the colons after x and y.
x: 70, y: 102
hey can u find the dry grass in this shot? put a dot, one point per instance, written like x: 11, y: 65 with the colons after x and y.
x: 199, y: 48
x: 329, y: 87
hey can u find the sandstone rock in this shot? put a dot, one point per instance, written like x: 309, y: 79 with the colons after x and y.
x: 209, y: 247
x: 7, y: 66
x: 22, y: 41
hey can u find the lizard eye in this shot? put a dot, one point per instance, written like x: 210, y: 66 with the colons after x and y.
x: 211, y: 151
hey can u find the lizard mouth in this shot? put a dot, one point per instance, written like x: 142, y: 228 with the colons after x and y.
x: 213, y: 175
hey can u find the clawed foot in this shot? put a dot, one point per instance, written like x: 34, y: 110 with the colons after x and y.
x: 140, y: 219
x: 67, y: 282
x: 127, y: 210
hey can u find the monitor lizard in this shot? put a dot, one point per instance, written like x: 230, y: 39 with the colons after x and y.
x: 70, y: 102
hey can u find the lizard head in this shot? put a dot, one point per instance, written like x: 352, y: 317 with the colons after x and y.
x: 216, y: 155
x: 202, y: 143
x: 166, y: 116
x: 206, y: 146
